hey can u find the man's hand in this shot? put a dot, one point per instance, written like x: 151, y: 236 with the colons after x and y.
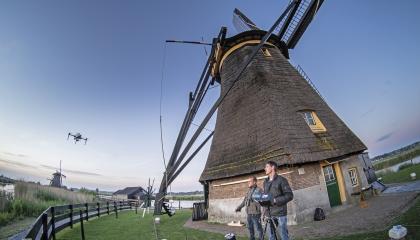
x: 238, y: 209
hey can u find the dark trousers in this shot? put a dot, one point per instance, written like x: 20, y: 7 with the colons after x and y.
x: 254, y: 221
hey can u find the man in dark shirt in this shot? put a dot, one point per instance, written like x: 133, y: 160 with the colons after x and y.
x: 281, y: 193
x: 253, y: 209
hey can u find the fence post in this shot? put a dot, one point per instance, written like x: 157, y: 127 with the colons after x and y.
x: 44, y: 226
x: 115, y: 209
x: 179, y: 204
x: 71, y: 216
x: 82, y: 229
x: 99, y: 212
x: 53, y: 222
x: 107, y: 207
x: 87, y: 212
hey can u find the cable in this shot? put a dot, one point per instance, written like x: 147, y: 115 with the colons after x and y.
x: 160, y: 111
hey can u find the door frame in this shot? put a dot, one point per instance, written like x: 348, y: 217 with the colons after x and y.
x: 339, y: 177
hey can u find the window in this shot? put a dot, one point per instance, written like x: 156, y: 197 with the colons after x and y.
x: 309, y: 118
x: 329, y: 173
x: 313, y: 121
x: 266, y: 52
x: 353, y: 177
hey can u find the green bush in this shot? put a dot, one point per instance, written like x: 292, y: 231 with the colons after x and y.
x: 5, y: 217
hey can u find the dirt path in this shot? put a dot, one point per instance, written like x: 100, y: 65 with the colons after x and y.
x: 6, y: 232
x: 378, y: 216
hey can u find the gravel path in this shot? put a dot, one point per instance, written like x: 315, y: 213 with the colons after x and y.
x: 405, y: 187
x: 377, y: 216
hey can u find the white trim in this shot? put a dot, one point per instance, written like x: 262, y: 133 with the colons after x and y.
x: 246, y: 180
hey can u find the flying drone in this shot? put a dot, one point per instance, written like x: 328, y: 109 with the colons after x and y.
x: 77, y: 137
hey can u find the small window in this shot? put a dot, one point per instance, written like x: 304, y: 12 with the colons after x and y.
x: 313, y: 122
x: 266, y: 52
x: 328, y: 173
x: 309, y: 118
x: 353, y: 177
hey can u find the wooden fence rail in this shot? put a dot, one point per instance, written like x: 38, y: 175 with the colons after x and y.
x: 56, y: 218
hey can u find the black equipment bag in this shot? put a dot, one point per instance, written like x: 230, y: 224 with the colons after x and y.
x: 319, y: 214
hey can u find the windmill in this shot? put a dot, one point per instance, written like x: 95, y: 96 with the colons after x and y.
x: 57, y: 178
x: 283, y: 35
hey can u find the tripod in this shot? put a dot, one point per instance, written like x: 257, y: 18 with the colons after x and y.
x: 273, y: 224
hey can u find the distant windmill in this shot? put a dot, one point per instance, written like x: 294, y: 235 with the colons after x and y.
x: 57, y: 179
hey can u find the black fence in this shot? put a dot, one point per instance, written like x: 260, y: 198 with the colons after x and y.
x: 56, y: 218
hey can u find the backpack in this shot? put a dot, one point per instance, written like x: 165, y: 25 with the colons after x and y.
x: 319, y: 214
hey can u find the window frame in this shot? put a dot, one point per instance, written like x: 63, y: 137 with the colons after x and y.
x: 354, y: 178
x: 310, y: 117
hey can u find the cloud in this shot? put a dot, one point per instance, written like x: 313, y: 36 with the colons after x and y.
x: 65, y: 170
x: 18, y: 164
x: 385, y: 137
x: 15, y: 154
x: 371, y: 110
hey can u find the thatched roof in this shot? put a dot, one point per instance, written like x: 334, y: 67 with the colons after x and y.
x: 261, y: 118
x: 129, y: 191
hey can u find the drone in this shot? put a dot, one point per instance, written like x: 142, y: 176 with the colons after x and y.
x: 77, y: 137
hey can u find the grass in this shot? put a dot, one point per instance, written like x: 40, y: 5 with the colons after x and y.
x: 409, y: 219
x: 31, y: 199
x: 391, y: 161
x: 15, y: 227
x: 188, y: 197
x: 402, y: 175
x: 131, y: 226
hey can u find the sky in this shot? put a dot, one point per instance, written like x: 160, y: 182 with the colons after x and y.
x: 96, y: 67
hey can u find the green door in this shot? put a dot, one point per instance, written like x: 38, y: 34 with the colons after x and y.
x: 332, y: 185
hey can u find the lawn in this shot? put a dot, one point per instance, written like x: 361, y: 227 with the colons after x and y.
x: 409, y: 219
x: 132, y: 226
x: 402, y: 175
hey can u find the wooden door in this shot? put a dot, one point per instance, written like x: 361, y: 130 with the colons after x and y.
x: 332, y: 185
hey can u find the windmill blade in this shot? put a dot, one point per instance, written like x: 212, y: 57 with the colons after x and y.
x: 242, y: 23
x: 297, y: 21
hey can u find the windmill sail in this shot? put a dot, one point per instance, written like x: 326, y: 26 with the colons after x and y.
x: 298, y: 19
x: 242, y: 23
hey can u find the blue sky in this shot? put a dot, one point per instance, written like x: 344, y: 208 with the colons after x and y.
x: 95, y: 67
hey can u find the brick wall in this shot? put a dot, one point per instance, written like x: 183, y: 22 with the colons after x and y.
x: 237, y: 190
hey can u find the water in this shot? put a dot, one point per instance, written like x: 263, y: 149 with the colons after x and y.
x: 395, y: 167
